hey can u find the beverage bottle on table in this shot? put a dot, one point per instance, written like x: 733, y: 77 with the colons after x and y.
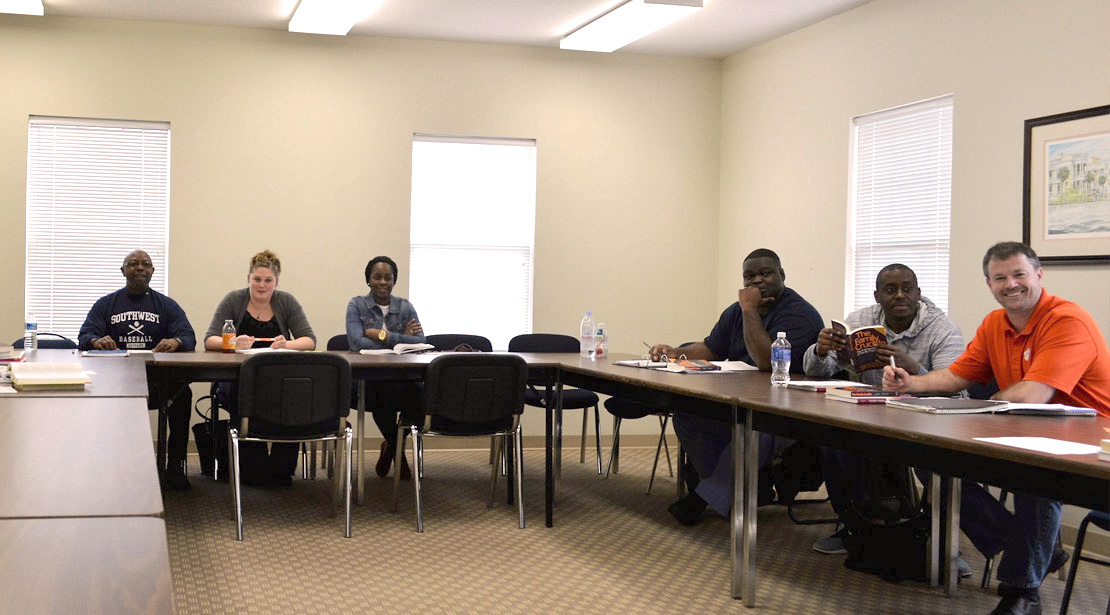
x: 602, y: 341
x: 780, y: 360
x: 227, y: 344
x: 586, y: 339
x: 30, y: 334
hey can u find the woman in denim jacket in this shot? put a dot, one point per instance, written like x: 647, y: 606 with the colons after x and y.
x: 380, y: 320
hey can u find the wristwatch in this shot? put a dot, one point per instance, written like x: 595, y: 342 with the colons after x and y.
x: 382, y: 334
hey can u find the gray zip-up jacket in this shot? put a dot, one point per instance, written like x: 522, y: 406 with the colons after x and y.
x: 932, y: 339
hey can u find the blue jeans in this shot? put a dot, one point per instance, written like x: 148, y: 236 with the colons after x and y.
x: 707, y: 442
x: 845, y: 477
x: 1026, y: 537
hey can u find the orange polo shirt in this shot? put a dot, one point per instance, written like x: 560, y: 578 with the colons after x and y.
x: 1060, y: 346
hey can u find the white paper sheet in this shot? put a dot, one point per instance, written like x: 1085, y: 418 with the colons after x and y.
x: 735, y: 366
x: 1044, y: 445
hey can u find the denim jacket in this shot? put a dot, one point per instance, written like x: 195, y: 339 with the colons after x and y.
x: 363, y: 314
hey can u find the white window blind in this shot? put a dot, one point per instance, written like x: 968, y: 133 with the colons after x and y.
x: 471, y: 235
x: 96, y: 190
x: 901, y: 198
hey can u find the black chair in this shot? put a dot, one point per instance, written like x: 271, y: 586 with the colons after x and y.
x: 572, y: 398
x: 451, y: 341
x: 623, y: 409
x: 61, y: 342
x: 467, y: 394
x: 1102, y: 520
x: 282, y: 394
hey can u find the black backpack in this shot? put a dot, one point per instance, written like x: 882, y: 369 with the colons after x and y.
x: 887, y: 533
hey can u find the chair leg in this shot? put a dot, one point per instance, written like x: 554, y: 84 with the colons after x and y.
x: 518, y: 473
x: 304, y: 461
x: 1075, y: 555
x: 658, y: 447
x: 597, y: 436
x: 558, y: 449
x: 666, y: 447
x: 495, y: 470
x: 615, y: 446
x: 397, y: 468
x: 348, y: 466
x: 312, y: 461
x: 582, y: 447
x: 492, y: 444
x: 233, y: 445
x: 417, y: 454
x: 336, y: 487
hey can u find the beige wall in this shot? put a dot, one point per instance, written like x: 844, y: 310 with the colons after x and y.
x: 302, y: 144
x: 787, y: 105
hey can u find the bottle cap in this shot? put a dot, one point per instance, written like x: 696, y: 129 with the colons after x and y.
x: 782, y: 334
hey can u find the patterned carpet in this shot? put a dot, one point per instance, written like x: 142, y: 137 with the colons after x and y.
x: 613, y: 549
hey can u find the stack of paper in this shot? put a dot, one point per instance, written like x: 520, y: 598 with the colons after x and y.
x: 48, y: 376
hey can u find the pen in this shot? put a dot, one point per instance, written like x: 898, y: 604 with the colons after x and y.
x: 646, y: 344
x: 892, y: 365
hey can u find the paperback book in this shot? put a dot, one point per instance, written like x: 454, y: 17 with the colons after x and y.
x: 398, y: 349
x: 862, y: 345
x: 861, y: 395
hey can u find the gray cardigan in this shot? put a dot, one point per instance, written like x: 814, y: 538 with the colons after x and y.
x: 932, y: 339
x: 290, y: 317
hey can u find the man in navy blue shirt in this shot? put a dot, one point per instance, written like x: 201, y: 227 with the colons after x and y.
x: 744, y: 332
x: 136, y: 317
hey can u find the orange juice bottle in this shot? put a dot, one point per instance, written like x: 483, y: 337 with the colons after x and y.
x: 228, y: 342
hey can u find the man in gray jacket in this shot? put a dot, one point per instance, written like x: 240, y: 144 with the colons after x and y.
x: 920, y: 338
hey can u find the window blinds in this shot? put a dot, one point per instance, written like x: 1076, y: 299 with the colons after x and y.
x: 899, y: 210
x: 96, y: 190
x: 471, y: 235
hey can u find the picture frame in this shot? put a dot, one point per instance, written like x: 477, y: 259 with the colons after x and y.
x: 1066, y: 186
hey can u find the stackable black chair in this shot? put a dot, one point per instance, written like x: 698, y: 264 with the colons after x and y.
x: 1102, y: 520
x: 52, y: 340
x: 297, y: 393
x: 467, y: 394
x: 572, y: 398
x: 453, y: 341
x: 623, y: 409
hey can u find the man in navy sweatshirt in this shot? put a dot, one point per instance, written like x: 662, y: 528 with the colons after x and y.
x: 137, y: 317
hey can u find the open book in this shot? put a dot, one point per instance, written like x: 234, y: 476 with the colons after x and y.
x: 48, y: 376
x: 398, y: 349
x: 958, y: 405
x: 860, y: 349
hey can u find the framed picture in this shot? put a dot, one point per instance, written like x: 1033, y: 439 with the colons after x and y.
x: 1066, y: 187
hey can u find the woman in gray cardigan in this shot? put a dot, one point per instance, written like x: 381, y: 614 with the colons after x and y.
x: 263, y: 316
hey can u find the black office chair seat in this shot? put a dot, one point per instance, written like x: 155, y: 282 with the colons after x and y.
x: 451, y: 341
x: 573, y: 399
x: 623, y: 409
x: 49, y: 340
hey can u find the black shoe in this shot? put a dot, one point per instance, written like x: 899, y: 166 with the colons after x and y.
x: 688, y: 510
x: 690, y: 473
x: 174, y: 479
x: 1018, y: 604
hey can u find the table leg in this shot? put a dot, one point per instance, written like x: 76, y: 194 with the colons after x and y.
x: 745, y: 462
x: 359, y: 443
x: 932, y: 559
x: 952, y: 527
x: 558, y: 444
x: 548, y: 483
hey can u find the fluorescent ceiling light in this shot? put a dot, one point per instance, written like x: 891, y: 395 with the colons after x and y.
x: 628, y: 22
x: 21, y: 7
x: 330, y: 16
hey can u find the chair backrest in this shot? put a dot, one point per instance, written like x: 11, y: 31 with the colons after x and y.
x: 448, y: 341
x: 62, y: 342
x: 295, y: 389
x: 544, y: 342
x: 475, y: 387
x: 338, y: 342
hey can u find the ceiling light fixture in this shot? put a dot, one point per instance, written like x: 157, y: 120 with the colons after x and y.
x: 21, y: 7
x: 335, y: 17
x: 628, y: 22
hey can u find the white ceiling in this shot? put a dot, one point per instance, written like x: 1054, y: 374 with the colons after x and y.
x: 722, y: 28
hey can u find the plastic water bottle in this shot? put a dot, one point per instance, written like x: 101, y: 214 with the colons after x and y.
x: 602, y: 341
x: 227, y: 342
x: 780, y: 360
x: 586, y: 339
x: 31, y: 334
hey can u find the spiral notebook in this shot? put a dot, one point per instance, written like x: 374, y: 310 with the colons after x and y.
x: 959, y: 405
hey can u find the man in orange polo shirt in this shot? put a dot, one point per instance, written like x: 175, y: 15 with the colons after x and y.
x: 1039, y: 349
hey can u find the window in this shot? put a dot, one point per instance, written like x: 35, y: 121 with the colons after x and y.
x: 96, y: 190
x: 471, y: 235
x: 901, y: 198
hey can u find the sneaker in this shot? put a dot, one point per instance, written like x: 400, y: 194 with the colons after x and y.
x: 1059, y: 558
x: 963, y: 569
x: 1018, y: 604
x: 831, y: 545
x: 688, y: 510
